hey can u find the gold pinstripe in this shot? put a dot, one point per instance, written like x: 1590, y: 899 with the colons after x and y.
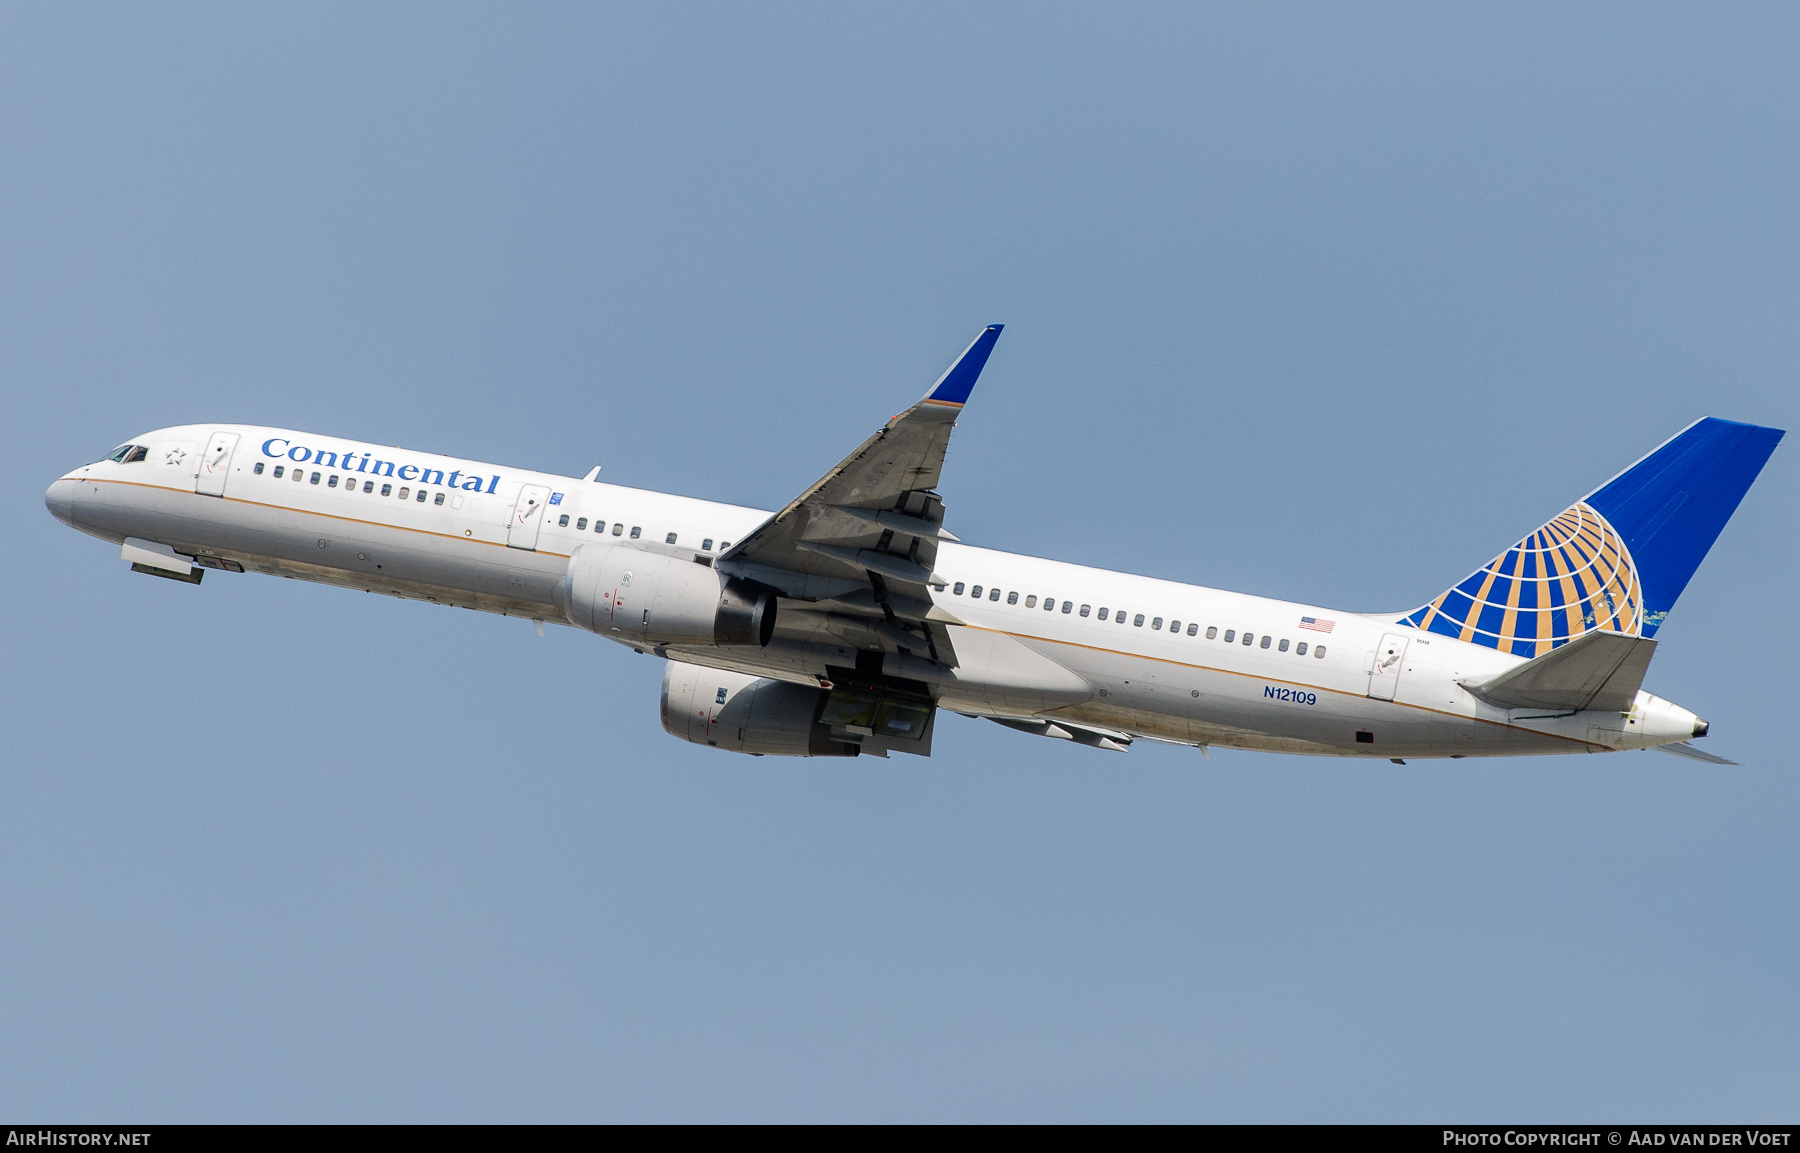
x: 1002, y: 632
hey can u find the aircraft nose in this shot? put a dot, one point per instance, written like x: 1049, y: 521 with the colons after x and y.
x: 60, y: 500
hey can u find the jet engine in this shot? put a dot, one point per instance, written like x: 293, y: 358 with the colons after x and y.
x: 746, y: 714
x: 639, y: 596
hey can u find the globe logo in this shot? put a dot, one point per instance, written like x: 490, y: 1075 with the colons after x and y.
x: 1570, y: 577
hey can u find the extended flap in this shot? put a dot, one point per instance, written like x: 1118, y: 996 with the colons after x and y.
x: 1597, y: 670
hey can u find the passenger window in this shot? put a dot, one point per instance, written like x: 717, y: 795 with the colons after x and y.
x: 1084, y: 610
x: 720, y: 699
x: 1031, y: 602
x: 386, y: 489
x: 1319, y: 652
x: 1156, y: 624
x: 1230, y: 635
x: 581, y: 524
x: 369, y: 486
x: 1265, y: 641
x: 636, y: 531
x: 975, y: 592
x: 1300, y: 649
x: 1192, y: 629
x: 723, y: 545
x: 1139, y: 621
x: 332, y: 483
x: 1174, y: 626
x: 1067, y: 605
x: 956, y: 589
x: 994, y: 594
x: 1212, y: 632
x: 670, y: 539
x: 258, y: 469
x: 421, y: 497
x: 617, y: 528
x: 404, y: 492
x: 279, y: 469
x: 439, y: 499
x: 562, y: 521
x: 1049, y: 603
x: 1282, y: 647
x: 706, y: 546
x: 1012, y: 598
x: 1103, y: 612
x: 315, y: 478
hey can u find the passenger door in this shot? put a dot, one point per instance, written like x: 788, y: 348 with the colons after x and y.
x: 215, y: 464
x: 1384, y: 674
x: 527, y: 517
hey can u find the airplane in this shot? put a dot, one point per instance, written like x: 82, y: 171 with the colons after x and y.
x: 846, y: 622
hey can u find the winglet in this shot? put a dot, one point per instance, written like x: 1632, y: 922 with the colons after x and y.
x: 959, y: 379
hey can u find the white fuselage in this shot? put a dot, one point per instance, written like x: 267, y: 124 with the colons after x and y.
x: 467, y: 543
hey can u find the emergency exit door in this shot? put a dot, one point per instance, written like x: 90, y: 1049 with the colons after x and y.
x: 1384, y: 674
x: 527, y: 517
x: 215, y: 464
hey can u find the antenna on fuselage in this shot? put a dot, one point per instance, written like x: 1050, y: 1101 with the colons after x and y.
x: 592, y: 473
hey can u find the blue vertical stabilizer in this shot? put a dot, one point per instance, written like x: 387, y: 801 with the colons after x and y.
x: 1615, y: 560
x: 1673, y: 504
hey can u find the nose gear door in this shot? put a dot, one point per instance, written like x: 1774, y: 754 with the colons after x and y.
x: 527, y: 517
x: 1384, y: 673
x: 215, y: 464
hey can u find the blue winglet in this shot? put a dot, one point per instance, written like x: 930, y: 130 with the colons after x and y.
x: 959, y: 379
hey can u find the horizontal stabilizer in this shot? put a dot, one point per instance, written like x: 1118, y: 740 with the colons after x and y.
x: 1597, y: 670
x: 1683, y: 749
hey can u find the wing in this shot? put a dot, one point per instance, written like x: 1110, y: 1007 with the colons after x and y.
x: 859, y: 547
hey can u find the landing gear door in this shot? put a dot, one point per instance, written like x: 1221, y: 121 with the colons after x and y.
x: 527, y: 517
x: 1384, y: 674
x: 215, y: 464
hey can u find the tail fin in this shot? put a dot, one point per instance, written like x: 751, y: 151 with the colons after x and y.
x: 1617, y: 558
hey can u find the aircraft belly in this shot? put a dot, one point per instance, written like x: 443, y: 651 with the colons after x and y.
x: 1205, y: 706
x: 1009, y: 676
x: 310, y: 546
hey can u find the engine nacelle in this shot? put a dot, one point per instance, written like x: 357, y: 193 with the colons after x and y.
x: 657, y: 600
x: 746, y: 714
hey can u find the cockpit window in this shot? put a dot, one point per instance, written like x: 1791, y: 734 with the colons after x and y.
x: 119, y: 454
x: 138, y: 452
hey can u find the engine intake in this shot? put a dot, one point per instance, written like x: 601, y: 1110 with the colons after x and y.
x: 746, y: 714
x: 653, y: 599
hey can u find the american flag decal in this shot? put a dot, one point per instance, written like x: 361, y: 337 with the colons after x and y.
x: 1317, y: 625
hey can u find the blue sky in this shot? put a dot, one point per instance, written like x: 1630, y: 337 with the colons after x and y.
x: 1329, y: 303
